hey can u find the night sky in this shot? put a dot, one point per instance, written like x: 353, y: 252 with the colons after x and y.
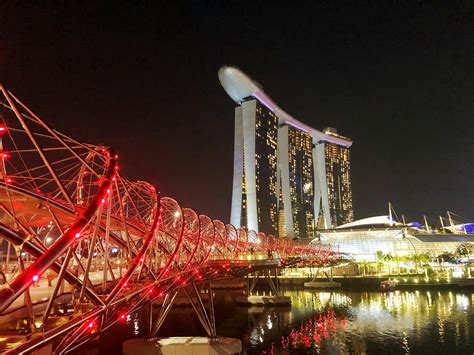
x: 396, y: 77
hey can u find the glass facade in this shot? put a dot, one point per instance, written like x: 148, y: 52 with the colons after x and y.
x: 281, y: 179
x: 337, y: 161
x: 243, y: 213
x: 266, y: 187
x: 373, y: 244
x: 300, y: 159
x: 266, y: 133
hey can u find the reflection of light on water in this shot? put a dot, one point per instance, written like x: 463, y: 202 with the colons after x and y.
x: 318, y: 300
x: 256, y: 336
x: 462, y: 301
x: 441, y: 331
x: 405, y: 320
x: 405, y: 345
x: 269, y: 322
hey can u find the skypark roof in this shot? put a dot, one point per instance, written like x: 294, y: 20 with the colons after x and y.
x: 239, y: 86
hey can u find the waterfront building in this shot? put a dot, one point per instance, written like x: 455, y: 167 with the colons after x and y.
x: 255, y: 191
x: 335, y: 178
x: 295, y: 148
x: 375, y: 238
x: 288, y: 177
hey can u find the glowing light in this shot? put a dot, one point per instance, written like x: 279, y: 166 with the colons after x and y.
x: 177, y: 214
x: 3, y: 129
x: 35, y: 278
x: 78, y: 235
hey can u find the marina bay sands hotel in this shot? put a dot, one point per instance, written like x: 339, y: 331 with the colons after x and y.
x: 289, y: 178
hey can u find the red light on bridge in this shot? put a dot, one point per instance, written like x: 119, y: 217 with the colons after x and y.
x: 78, y: 235
x: 151, y: 290
x: 123, y: 317
x: 8, y: 180
x: 35, y: 278
x: 161, y: 294
x: 3, y: 129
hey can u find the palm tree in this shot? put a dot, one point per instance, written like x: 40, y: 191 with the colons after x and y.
x: 364, y: 266
x: 388, y: 258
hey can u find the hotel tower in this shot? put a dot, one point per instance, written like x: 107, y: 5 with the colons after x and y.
x: 288, y: 177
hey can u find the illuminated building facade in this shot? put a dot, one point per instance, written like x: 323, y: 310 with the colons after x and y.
x: 295, y: 148
x: 289, y: 178
x: 334, y: 179
x: 255, y: 189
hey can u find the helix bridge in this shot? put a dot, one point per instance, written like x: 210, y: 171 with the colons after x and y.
x: 73, y: 230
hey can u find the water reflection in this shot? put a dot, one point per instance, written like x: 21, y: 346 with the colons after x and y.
x: 399, y: 322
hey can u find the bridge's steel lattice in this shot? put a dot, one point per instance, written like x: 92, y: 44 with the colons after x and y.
x: 107, y: 244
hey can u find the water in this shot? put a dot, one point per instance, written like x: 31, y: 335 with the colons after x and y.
x: 399, y: 322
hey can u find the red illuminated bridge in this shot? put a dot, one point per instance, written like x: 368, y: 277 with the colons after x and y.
x: 73, y: 230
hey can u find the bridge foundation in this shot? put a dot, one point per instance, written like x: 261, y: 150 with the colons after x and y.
x: 328, y: 284
x: 182, y: 346
x: 275, y: 298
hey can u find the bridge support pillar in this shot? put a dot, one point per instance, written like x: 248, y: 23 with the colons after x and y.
x: 274, y: 299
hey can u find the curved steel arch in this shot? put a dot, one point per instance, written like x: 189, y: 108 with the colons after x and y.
x: 115, y: 241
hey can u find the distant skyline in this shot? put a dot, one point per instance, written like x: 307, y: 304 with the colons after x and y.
x: 397, y: 79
